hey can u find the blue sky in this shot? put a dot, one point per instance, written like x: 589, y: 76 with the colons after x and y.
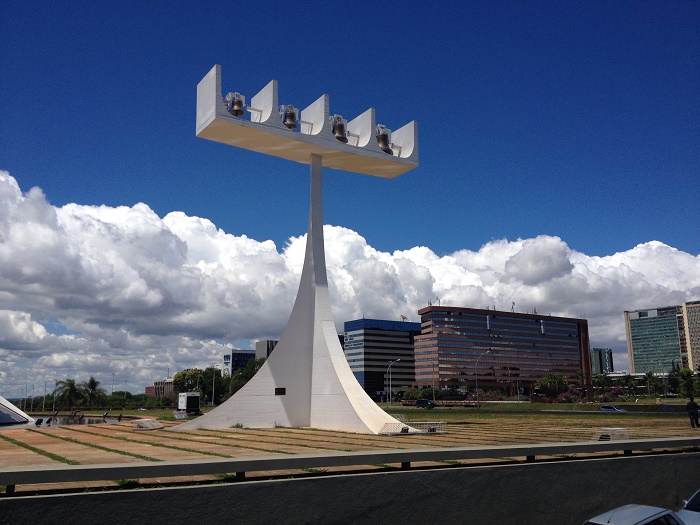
x: 550, y: 133
x: 575, y: 119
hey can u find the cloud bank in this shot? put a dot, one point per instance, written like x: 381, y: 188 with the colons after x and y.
x: 94, y: 290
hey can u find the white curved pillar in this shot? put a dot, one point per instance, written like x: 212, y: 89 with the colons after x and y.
x: 306, y: 381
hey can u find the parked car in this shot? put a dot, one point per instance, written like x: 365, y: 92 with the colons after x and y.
x: 690, y: 513
x: 637, y: 515
x: 424, y: 403
x: 611, y: 408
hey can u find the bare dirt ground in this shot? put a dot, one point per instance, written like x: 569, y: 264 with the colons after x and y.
x: 120, y: 443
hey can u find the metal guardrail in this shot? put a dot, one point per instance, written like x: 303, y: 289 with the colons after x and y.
x: 414, y: 427
x: 10, y: 477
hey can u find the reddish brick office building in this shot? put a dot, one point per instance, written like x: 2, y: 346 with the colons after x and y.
x: 508, y: 351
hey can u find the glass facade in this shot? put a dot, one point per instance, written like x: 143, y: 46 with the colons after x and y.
x: 371, y: 344
x: 236, y: 360
x: 656, y: 339
x: 508, y: 351
x: 602, y: 361
x: 691, y: 316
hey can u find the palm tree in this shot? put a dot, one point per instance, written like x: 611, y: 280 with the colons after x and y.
x: 687, y: 379
x: 93, y: 394
x: 552, y: 384
x: 650, y: 378
x: 67, y: 392
x: 627, y: 383
x: 601, y: 381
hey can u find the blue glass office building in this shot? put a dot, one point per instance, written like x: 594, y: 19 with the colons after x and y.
x: 370, y: 346
x: 656, y: 339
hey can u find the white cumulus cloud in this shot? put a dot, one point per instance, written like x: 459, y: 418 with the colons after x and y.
x: 95, y: 290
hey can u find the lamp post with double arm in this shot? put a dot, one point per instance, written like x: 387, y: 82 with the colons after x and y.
x: 476, y: 376
x: 388, y: 370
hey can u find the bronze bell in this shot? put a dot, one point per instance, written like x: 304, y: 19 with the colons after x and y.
x: 383, y: 140
x: 237, y: 108
x: 290, y: 118
x: 339, y: 131
x: 235, y: 104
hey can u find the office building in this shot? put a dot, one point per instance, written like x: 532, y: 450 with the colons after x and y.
x: 602, y: 361
x: 659, y: 338
x: 371, y: 345
x: 163, y: 387
x: 691, y: 321
x: 236, y: 360
x: 505, y: 351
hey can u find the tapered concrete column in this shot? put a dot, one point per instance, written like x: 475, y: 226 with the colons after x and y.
x: 306, y: 381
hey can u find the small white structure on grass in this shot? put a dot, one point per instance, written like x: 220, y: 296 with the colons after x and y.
x: 306, y: 381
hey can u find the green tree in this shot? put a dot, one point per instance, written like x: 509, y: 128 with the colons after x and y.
x: 628, y: 383
x: 213, y: 379
x: 139, y: 399
x: 67, y: 393
x: 552, y: 384
x: 650, y: 379
x: 600, y: 383
x: 92, y: 393
x: 687, y: 382
x: 187, y: 380
x: 411, y: 393
x: 674, y: 378
x: 427, y: 393
x: 659, y: 386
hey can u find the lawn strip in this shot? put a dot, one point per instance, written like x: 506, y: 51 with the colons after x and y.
x: 305, y: 435
x: 294, y: 441
x: 167, y: 435
x: 39, y: 451
x: 236, y: 445
x: 358, y: 442
x: 152, y: 443
x: 99, y: 447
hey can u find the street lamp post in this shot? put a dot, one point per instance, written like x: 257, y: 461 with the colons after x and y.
x: 53, y: 395
x: 476, y: 376
x: 43, y: 401
x: 217, y: 368
x: 388, y: 369
x: 112, y: 383
x: 230, y: 382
